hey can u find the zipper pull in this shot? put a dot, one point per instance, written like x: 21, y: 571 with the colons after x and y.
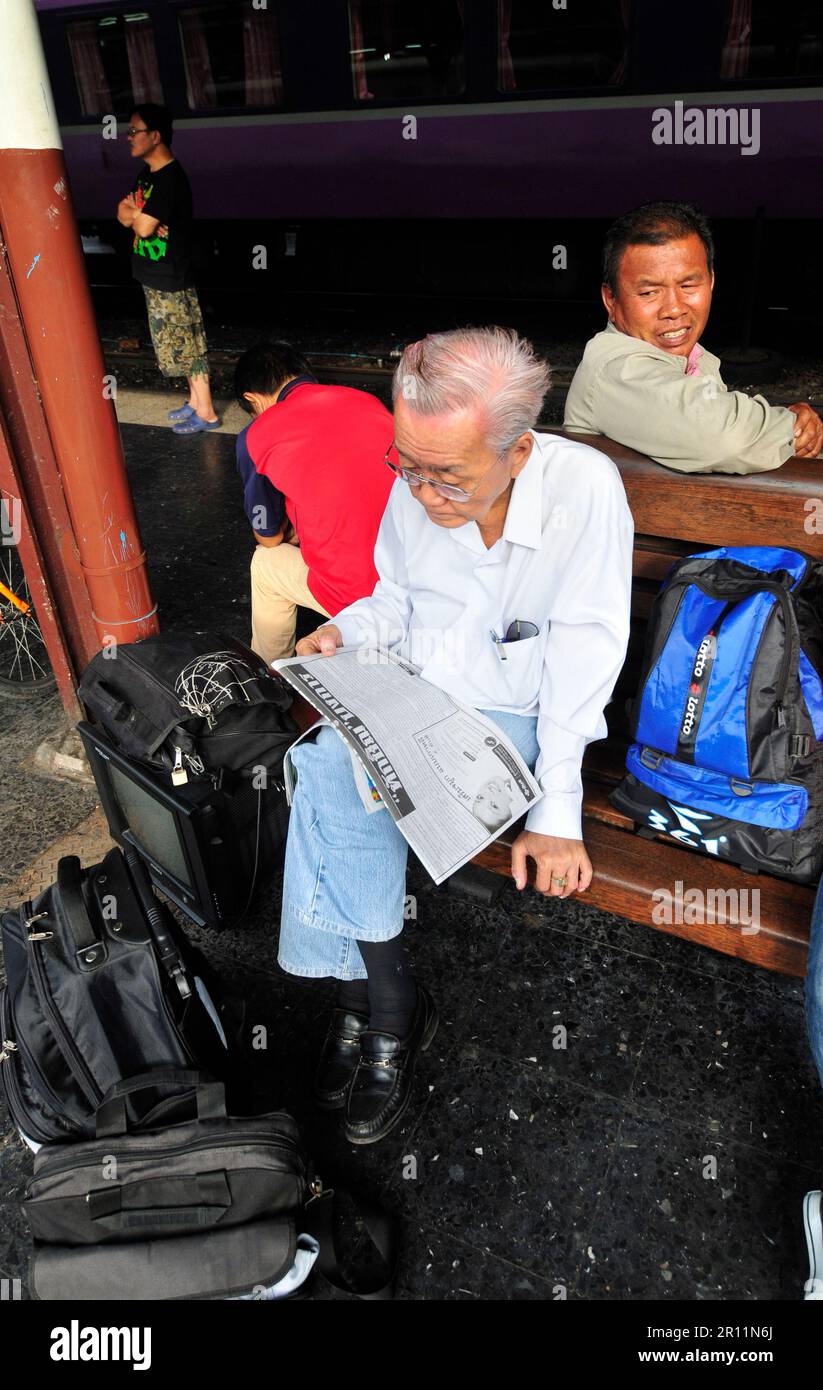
x: 7, y: 1049
x: 179, y: 774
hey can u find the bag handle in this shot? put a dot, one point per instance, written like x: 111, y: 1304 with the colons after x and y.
x: 105, y: 703
x: 111, y: 1118
x: 212, y: 1190
x: 70, y: 894
x: 382, y: 1228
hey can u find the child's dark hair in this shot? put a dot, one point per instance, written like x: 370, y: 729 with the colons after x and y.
x: 263, y: 369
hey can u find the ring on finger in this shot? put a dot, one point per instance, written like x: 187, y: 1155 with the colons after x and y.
x: 561, y: 881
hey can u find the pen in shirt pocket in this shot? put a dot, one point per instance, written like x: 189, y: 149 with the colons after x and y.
x: 499, y: 644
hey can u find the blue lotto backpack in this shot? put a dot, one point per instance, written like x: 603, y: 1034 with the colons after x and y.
x: 727, y: 725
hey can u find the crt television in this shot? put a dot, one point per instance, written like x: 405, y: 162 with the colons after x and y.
x: 206, y: 848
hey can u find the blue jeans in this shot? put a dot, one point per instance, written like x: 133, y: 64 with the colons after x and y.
x: 814, y: 984
x: 345, y: 874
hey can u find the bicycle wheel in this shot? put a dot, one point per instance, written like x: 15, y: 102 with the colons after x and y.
x: 24, y: 662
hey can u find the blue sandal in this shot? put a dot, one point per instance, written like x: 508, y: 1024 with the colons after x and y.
x: 195, y: 424
x: 184, y: 412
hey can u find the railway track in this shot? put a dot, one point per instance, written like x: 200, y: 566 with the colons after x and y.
x: 369, y: 372
x: 373, y: 372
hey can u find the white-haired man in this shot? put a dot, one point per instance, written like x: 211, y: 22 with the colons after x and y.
x: 491, y: 531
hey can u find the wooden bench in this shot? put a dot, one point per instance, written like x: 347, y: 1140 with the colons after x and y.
x: 675, y: 515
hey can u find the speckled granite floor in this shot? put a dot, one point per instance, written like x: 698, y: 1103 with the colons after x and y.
x: 524, y: 1171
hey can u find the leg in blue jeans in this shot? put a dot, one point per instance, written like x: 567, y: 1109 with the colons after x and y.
x: 345, y: 874
x: 814, y: 984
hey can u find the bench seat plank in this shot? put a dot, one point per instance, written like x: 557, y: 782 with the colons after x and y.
x: 629, y: 870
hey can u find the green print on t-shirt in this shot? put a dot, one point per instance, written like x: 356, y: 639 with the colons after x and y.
x: 152, y: 246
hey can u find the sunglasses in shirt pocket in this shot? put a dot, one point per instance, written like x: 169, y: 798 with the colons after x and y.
x: 519, y: 674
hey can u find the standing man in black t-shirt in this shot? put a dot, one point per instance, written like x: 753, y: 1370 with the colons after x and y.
x: 159, y: 211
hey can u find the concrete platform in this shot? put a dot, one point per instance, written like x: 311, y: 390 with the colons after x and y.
x: 137, y: 407
x: 524, y: 1170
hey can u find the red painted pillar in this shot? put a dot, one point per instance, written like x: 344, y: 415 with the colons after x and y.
x: 46, y: 263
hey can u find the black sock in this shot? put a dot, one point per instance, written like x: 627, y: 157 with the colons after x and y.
x: 392, y: 988
x: 353, y: 996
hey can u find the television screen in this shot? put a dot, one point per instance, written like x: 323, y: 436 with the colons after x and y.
x: 205, y: 847
x: 151, y: 824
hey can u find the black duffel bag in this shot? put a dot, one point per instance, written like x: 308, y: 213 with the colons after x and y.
x: 191, y: 704
x: 101, y: 985
x: 211, y: 1207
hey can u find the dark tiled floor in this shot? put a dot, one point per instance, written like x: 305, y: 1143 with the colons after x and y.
x: 606, y: 1112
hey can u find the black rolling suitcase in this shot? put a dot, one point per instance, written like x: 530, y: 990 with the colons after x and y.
x: 101, y: 986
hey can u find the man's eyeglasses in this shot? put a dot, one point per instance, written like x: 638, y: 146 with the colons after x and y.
x: 450, y: 490
x: 138, y: 130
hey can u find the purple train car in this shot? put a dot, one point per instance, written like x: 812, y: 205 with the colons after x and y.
x: 450, y: 108
x: 437, y: 147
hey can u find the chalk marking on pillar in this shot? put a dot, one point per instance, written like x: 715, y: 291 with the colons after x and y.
x: 33, y: 264
x: 126, y: 622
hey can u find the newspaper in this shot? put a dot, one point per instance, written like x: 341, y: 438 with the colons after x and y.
x: 447, y: 775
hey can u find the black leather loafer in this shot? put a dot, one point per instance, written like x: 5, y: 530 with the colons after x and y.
x: 339, y: 1058
x: 381, y: 1090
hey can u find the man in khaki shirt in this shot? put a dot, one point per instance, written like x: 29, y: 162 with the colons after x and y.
x: 646, y: 381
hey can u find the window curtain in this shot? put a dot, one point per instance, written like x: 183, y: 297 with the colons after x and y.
x: 385, y: 41
x: 735, y: 60
x: 618, y: 77
x: 145, y: 77
x: 262, y: 60
x: 89, y: 73
x: 506, y: 80
x: 358, y: 65
x: 200, y: 89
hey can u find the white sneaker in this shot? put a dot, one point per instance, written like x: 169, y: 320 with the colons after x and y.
x: 813, y: 1226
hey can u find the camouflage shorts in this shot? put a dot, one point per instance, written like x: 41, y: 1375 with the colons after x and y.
x: 177, y: 332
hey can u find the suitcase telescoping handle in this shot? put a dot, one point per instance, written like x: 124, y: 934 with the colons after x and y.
x: 112, y: 1119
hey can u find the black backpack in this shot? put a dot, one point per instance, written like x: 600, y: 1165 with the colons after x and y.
x: 191, y: 705
x: 101, y: 985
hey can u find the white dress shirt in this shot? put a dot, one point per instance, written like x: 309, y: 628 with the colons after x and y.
x: 563, y: 563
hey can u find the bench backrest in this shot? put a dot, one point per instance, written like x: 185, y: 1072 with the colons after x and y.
x: 781, y: 507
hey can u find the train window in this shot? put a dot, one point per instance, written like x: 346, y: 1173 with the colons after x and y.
x: 231, y: 55
x: 114, y: 62
x: 579, y: 46
x: 406, y: 48
x: 768, y: 40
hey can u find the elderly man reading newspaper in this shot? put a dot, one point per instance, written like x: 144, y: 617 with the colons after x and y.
x: 504, y: 561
